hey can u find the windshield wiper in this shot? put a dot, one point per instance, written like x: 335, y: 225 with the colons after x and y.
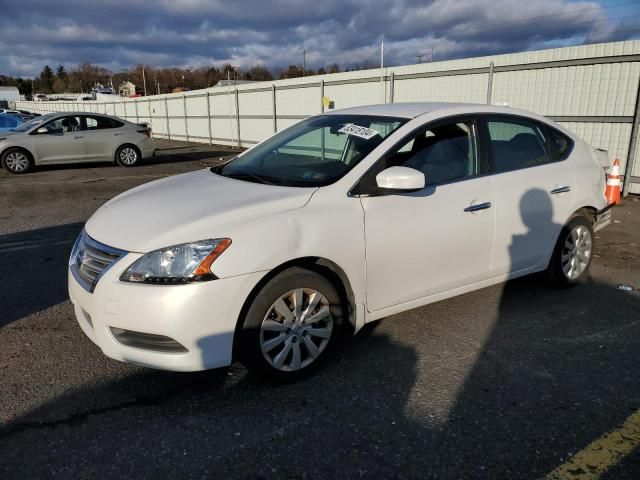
x: 251, y: 176
x: 218, y: 168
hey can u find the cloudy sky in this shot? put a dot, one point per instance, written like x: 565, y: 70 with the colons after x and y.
x: 121, y: 33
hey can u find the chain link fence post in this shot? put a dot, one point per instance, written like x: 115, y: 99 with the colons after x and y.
x: 209, y: 118
x: 275, y: 114
x: 186, y: 120
x: 490, y: 84
x: 633, y: 145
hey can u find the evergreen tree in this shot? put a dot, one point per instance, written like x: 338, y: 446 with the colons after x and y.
x: 61, y: 73
x: 46, y: 78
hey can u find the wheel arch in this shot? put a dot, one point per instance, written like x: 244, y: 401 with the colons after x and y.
x: 322, y: 266
x: 586, y: 211
x: 19, y: 147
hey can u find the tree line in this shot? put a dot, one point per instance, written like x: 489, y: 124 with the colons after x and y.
x: 85, y: 76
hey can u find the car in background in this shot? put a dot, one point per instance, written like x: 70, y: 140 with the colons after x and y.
x: 25, y: 117
x: 339, y: 220
x: 27, y: 112
x: 10, y: 122
x: 74, y: 138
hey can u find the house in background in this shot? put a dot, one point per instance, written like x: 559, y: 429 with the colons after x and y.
x: 127, y: 89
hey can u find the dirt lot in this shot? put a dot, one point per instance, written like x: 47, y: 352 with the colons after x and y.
x: 512, y: 381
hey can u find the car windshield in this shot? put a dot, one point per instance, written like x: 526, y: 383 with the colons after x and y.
x: 32, y: 123
x: 315, y: 152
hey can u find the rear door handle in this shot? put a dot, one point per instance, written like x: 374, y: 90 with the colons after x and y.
x: 78, y: 136
x: 117, y: 134
x: 564, y: 189
x: 478, y: 206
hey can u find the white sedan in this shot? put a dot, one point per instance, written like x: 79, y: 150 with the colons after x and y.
x: 337, y: 221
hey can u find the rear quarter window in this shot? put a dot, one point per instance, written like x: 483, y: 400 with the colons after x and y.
x: 102, y: 123
x: 561, y: 145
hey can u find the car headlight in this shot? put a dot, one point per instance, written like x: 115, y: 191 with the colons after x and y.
x: 186, y: 263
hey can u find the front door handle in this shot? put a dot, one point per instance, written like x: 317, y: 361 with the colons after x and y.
x: 117, y: 134
x: 478, y: 206
x: 77, y: 137
x: 564, y: 189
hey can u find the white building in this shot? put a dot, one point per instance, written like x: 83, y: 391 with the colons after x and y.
x: 8, y: 95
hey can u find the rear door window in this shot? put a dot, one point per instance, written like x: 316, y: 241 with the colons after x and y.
x: 516, y: 143
x: 101, y: 123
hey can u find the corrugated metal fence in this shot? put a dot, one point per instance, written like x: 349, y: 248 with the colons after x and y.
x: 592, y: 90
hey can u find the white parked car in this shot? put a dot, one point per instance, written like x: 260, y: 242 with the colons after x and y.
x: 339, y: 220
x: 73, y: 138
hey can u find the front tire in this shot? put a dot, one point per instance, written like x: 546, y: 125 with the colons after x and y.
x: 573, y: 253
x: 17, y: 161
x: 291, y: 326
x: 127, y: 156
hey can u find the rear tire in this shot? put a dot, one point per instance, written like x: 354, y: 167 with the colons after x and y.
x: 17, y: 161
x: 571, y: 259
x: 127, y: 156
x: 285, y: 341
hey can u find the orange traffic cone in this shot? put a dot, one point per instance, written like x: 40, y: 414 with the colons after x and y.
x: 612, y: 192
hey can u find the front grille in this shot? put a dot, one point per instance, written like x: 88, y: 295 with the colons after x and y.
x: 91, y: 259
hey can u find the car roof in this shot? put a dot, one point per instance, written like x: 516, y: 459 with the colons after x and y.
x: 415, y: 109
x: 404, y: 110
x: 93, y: 114
x: 12, y: 115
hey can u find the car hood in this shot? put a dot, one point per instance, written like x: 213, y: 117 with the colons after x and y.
x: 188, y: 207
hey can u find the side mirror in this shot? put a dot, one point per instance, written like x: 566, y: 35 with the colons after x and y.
x: 42, y: 130
x: 401, y: 179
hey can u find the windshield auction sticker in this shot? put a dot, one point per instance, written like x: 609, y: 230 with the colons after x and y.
x: 358, y: 131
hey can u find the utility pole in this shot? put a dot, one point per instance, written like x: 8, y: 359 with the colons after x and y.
x: 431, y: 56
x: 304, y: 61
x: 144, y: 82
x: 384, y: 99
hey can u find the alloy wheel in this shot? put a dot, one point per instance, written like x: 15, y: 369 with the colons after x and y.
x: 128, y: 156
x: 17, y: 161
x: 576, y: 252
x: 296, y: 329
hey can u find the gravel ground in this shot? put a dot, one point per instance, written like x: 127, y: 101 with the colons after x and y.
x: 506, y: 382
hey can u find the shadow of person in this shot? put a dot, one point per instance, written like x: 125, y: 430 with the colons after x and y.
x: 556, y: 370
x: 528, y: 248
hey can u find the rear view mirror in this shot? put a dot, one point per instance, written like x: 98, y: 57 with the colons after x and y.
x: 401, y: 179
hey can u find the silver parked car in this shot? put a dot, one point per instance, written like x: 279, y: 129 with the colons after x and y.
x: 74, y: 138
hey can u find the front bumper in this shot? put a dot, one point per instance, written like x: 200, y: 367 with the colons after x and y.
x: 200, y: 317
